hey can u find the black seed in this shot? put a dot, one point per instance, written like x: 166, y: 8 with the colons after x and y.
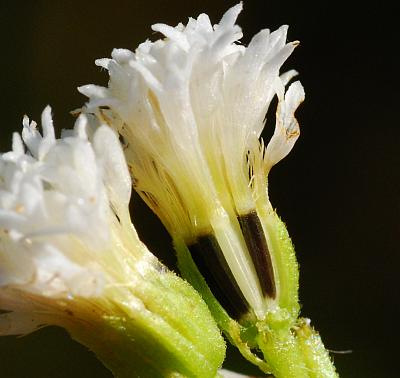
x: 257, y: 245
x: 210, y: 261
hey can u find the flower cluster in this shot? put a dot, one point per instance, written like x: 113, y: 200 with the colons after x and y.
x: 189, y: 110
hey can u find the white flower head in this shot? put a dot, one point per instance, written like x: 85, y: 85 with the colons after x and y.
x: 191, y: 108
x: 63, y: 207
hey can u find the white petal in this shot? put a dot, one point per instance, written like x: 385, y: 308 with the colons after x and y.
x: 81, y: 127
x: 47, y: 124
x: 147, y: 75
x: 117, y: 177
x: 91, y: 90
x: 273, y: 65
x: 287, y: 76
x: 122, y: 56
x: 103, y: 62
x: 31, y: 136
x: 229, y: 18
x: 286, y: 128
x: 17, y: 145
x: 175, y: 35
x: 48, y: 139
x: 203, y: 22
x: 294, y: 97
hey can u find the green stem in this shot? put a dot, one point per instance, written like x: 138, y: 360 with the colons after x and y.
x: 282, y: 353
x: 295, y: 352
x: 316, y: 357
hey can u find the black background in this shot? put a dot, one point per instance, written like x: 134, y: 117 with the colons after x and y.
x: 338, y: 191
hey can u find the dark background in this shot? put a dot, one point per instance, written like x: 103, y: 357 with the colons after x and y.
x: 338, y: 191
